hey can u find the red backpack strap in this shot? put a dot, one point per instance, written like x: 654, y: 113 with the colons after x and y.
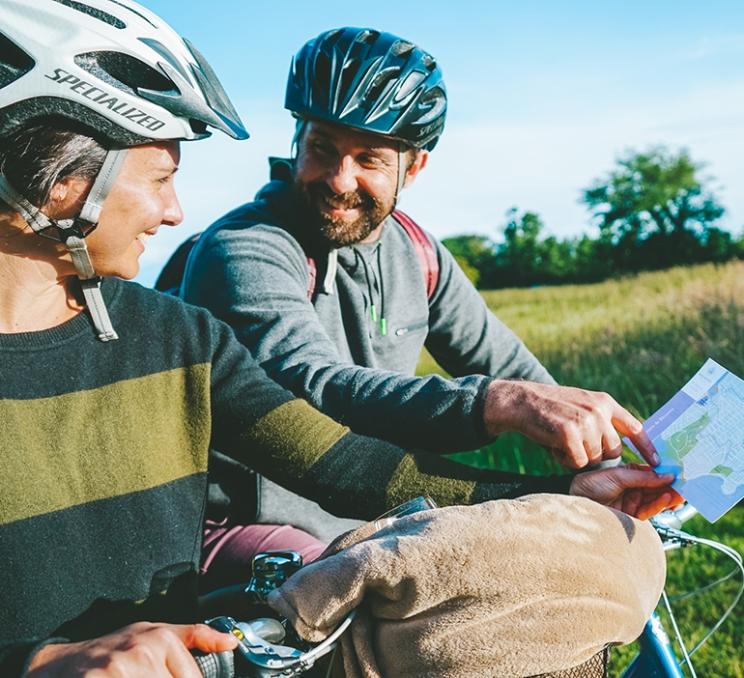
x: 312, y: 278
x: 424, y: 250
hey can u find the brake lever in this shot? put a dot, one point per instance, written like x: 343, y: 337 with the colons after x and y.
x: 271, y: 659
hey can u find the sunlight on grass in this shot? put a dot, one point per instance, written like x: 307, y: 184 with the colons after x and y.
x: 640, y: 338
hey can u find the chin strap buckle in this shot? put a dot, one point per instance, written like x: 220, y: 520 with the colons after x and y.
x: 91, y: 286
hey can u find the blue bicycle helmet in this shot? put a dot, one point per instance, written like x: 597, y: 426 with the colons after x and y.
x: 371, y: 81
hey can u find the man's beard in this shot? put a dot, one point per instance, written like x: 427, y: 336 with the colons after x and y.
x: 339, y: 232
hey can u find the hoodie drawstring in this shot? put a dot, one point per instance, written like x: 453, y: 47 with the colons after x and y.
x: 368, y: 279
x: 383, y: 321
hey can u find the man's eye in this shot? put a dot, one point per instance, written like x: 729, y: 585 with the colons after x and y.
x: 371, y: 161
x: 322, y: 149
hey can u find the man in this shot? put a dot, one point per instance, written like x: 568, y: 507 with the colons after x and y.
x: 111, y: 394
x: 325, y: 286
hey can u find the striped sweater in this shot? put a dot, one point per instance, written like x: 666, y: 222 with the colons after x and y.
x: 104, y: 453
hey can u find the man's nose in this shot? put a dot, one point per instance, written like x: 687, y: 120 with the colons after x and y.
x: 343, y: 177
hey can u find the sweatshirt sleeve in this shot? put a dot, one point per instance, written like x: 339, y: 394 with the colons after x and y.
x: 287, y: 440
x: 256, y: 280
x: 465, y: 337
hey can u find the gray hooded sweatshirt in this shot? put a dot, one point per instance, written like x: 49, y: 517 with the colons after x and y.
x: 251, y: 269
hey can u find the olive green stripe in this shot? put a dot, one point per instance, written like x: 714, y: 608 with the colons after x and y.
x: 82, y: 449
x: 408, y: 481
x: 293, y: 437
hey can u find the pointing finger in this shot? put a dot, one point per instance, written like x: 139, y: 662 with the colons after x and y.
x: 631, y: 427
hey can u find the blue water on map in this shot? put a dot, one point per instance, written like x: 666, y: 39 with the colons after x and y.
x: 706, y: 494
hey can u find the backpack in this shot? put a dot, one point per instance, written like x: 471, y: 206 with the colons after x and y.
x: 170, y: 277
x: 244, y: 506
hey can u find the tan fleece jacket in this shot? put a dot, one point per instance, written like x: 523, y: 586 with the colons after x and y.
x: 507, y: 588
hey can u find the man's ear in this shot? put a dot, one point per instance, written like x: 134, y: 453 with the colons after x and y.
x: 419, y: 162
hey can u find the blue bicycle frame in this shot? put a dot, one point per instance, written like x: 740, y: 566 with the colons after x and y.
x: 656, y: 658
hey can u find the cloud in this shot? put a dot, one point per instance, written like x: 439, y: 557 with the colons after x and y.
x: 482, y: 168
x: 709, y: 46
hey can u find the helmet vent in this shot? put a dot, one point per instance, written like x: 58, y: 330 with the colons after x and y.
x: 332, y: 37
x: 321, y: 82
x: 14, y: 62
x: 412, y: 81
x: 429, y: 62
x: 349, y: 72
x: 401, y: 48
x: 436, y: 102
x: 210, y: 85
x: 382, y: 80
x: 164, y: 52
x: 96, y: 13
x: 124, y: 72
x: 134, y: 11
x: 368, y: 37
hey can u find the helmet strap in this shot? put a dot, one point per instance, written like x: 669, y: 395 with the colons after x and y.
x: 75, y: 243
x: 91, y: 286
x: 31, y: 214
x: 91, y: 211
x: 402, y: 171
x: 294, y: 149
x: 72, y: 232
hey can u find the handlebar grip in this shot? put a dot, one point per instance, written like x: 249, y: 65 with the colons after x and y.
x: 216, y: 664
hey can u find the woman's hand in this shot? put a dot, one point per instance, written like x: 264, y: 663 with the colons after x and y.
x: 634, y: 489
x: 142, y: 649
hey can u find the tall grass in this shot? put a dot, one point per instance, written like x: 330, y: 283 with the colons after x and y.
x: 640, y: 339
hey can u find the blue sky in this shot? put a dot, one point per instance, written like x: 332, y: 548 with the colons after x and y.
x: 543, y: 96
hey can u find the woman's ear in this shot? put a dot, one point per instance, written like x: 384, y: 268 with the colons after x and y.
x: 66, y: 198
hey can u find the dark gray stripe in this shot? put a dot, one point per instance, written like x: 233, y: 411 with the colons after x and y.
x: 81, y: 563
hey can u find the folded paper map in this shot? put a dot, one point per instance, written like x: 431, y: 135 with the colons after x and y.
x: 699, y: 435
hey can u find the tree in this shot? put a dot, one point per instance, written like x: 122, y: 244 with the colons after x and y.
x: 654, y: 204
x: 520, y: 256
x: 475, y: 254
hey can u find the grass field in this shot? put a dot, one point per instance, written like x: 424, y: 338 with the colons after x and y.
x: 640, y: 339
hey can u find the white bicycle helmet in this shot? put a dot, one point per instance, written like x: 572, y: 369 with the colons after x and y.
x: 119, y: 70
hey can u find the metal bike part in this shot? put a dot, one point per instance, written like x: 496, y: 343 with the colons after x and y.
x: 264, y: 659
x: 222, y: 664
x: 674, y: 519
x: 270, y: 570
x: 657, y: 658
x: 267, y: 628
x: 416, y: 505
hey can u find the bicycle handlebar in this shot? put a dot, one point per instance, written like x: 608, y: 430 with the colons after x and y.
x: 675, y: 518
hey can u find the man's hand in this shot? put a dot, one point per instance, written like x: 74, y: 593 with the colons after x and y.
x: 143, y: 649
x: 581, y: 427
x: 633, y: 489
